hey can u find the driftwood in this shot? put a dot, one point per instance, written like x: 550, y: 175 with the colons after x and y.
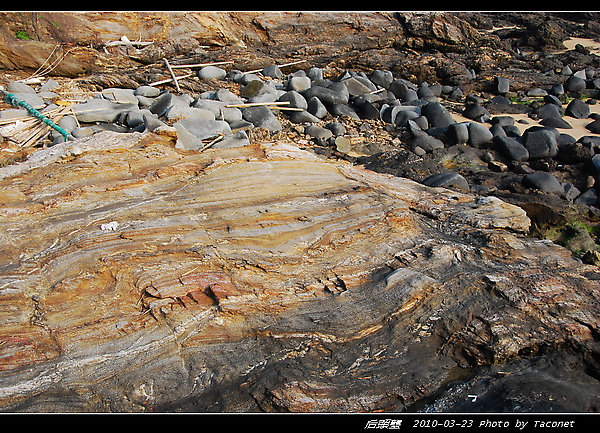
x: 28, y: 131
x: 201, y: 65
x: 126, y: 42
x: 168, y: 80
x: 281, y: 66
x: 172, y: 74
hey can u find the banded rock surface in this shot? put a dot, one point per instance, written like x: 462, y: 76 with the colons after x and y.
x: 135, y: 276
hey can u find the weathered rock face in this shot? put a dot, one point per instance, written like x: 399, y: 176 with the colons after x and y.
x: 135, y: 277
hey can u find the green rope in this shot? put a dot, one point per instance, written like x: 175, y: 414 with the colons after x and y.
x: 13, y: 100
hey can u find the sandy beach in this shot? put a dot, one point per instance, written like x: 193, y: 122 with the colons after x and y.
x: 576, y: 132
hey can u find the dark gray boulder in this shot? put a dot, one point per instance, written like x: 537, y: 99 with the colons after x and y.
x: 447, y: 180
x: 511, y: 148
x: 544, y: 182
x: 262, y: 117
x: 437, y: 114
x: 577, y: 109
x: 541, y: 142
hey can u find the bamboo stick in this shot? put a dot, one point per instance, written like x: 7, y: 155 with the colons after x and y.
x: 256, y: 104
x: 281, y: 66
x: 201, y: 65
x: 172, y: 74
x: 169, y: 80
x: 220, y: 137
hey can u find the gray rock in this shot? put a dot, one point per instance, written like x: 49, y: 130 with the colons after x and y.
x: 369, y: 111
x: 571, y: 192
x: 68, y: 123
x: 151, y: 122
x: 135, y: 118
x: 403, y: 90
x: 574, y: 84
x: 537, y: 92
x: 382, y: 78
x: 327, y: 95
x: 295, y: 99
x: 336, y: 128
x: 552, y: 99
x: 17, y: 87
x: 594, y: 126
x: 501, y: 85
x: 240, y: 125
x: 48, y: 95
x: 557, y: 90
x: 246, y: 78
x: 315, y: 73
x: 458, y: 133
x: 185, y: 139
x: 49, y: 85
x: 476, y: 112
x: 101, y: 110
x: 179, y: 111
x: 316, y: 131
x: 272, y: 71
x: 426, y: 142
x: 147, y: 91
x: 124, y: 96
x: 588, y: 198
x: 577, y: 109
x: 161, y: 104
x: 547, y: 111
x: 255, y: 88
x: 238, y: 139
x: 302, y: 117
x: 479, y: 134
x: 227, y: 96
x: 390, y: 113
x: 437, y: 114
x: 262, y: 117
x: 404, y: 116
x: 447, y: 180
x: 13, y: 113
x: 511, y: 148
x: 498, y: 131
x: 502, y: 120
x: 144, y: 102
x: 316, y: 107
x: 544, y: 182
x: 204, y: 128
x: 556, y: 122
x: 31, y: 98
x: 357, y: 87
x: 541, y: 142
x: 82, y: 132
x: 566, y: 71
x: 298, y: 84
x: 337, y: 110
x: 219, y: 109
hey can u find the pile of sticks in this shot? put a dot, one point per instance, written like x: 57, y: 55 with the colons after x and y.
x: 28, y: 131
x: 174, y: 78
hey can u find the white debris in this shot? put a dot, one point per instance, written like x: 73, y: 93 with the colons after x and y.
x: 112, y: 226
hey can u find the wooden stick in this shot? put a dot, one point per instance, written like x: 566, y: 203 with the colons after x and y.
x: 201, y: 65
x: 220, y: 137
x: 257, y: 104
x: 288, y: 108
x: 281, y: 66
x: 172, y: 74
x: 169, y: 80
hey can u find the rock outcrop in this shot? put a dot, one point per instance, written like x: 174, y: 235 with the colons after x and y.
x: 135, y: 276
